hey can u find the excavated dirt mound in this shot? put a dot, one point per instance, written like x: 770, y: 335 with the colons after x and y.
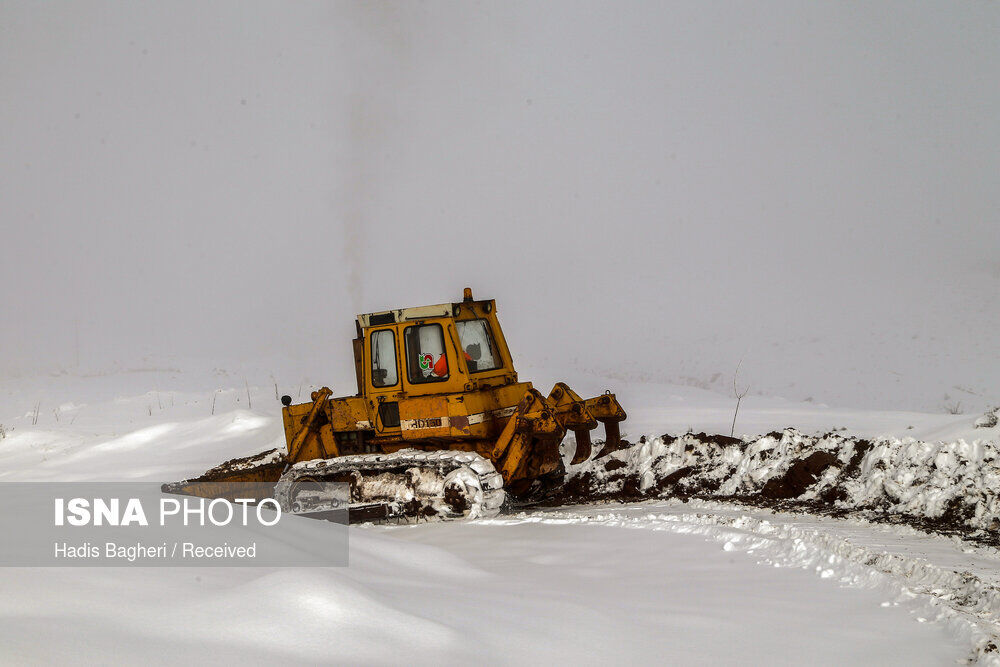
x: 950, y: 488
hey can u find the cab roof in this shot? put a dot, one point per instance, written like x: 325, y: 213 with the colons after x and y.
x: 416, y: 313
x: 366, y: 320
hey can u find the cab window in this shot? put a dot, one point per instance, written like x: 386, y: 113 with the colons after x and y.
x: 477, y: 343
x: 383, y: 353
x: 426, y: 360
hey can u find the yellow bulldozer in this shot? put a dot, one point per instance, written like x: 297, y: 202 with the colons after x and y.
x: 440, y: 427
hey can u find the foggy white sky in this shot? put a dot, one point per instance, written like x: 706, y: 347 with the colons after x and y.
x: 655, y: 190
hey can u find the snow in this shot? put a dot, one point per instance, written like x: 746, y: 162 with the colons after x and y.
x: 514, y: 591
x: 989, y: 419
x: 695, y: 583
x: 936, y: 578
x: 917, y: 479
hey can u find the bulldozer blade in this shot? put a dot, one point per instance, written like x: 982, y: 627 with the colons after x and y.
x: 248, y: 477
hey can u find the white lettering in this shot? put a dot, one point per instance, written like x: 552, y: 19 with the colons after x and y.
x: 164, y: 513
x: 277, y: 509
x: 79, y: 508
x: 200, y: 511
x: 103, y: 512
x: 134, y: 513
x: 244, y: 502
x: 211, y: 511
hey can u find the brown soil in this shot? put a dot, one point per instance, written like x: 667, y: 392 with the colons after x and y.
x: 800, y: 476
x: 778, y: 494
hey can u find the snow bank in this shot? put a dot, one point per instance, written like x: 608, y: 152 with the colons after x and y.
x: 989, y: 418
x: 948, y: 486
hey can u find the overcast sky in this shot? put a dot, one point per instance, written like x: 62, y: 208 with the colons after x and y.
x: 651, y: 189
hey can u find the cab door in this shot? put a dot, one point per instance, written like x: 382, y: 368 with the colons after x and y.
x: 384, y: 380
x: 435, y: 376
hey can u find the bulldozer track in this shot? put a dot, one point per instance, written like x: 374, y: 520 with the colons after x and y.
x: 410, y: 483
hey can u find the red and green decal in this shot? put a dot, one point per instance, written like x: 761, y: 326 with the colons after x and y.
x: 426, y: 361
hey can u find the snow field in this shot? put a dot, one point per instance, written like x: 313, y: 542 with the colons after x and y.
x: 518, y: 590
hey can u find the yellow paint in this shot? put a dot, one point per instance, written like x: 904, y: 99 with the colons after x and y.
x: 488, y: 412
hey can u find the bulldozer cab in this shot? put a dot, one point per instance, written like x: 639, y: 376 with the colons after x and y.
x: 429, y: 351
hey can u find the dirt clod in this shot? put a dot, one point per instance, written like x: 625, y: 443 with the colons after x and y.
x: 614, y: 464
x: 800, y: 476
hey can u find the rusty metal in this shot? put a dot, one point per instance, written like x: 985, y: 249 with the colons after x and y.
x: 584, y: 447
x: 609, y: 412
x: 319, y: 402
x: 572, y: 412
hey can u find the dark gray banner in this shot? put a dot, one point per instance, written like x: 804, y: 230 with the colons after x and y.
x: 94, y: 524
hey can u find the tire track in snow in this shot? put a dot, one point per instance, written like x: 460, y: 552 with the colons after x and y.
x: 965, y: 602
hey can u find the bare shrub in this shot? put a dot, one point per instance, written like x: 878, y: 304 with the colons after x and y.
x: 739, y: 396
